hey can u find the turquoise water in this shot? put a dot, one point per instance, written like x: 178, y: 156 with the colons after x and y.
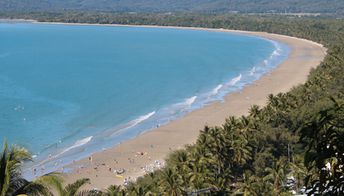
x: 67, y: 91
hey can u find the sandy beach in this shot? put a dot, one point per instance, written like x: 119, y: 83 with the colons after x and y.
x: 147, y: 151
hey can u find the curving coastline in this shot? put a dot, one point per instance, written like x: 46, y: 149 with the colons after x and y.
x: 157, y: 143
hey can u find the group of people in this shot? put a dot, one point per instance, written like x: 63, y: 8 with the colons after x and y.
x: 118, y: 171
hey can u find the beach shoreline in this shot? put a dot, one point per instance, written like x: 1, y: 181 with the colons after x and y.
x: 148, y: 150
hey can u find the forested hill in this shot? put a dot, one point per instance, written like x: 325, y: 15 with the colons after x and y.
x: 243, y: 6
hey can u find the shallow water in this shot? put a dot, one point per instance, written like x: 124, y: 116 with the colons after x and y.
x: 67, y: 91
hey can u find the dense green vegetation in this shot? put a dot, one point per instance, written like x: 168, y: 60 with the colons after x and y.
x: 242, y: 6
x: 323, y: 30
x: 295, y: 141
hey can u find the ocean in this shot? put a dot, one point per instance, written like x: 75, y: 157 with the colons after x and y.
x: 67, y: 90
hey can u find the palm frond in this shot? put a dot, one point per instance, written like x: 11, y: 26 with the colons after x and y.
x: 4, y: 173
x: 54, y: 181
x: 73, y: 188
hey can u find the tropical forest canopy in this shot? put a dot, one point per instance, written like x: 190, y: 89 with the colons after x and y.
x: 241, y: 6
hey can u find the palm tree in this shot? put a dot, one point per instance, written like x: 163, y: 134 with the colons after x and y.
x: 114, y: 190
x: 242, y: 151
x: 239, y: 141
x: 299, y: 172
x: 324, y: 154
x: 138, y: 190
x: 198, y: 174
x: 170, y: 182
x: 231, y: 124
x: 277, y: 174
x: 11, y: 181
x: 181, y: 164
x: 247, y: 187
x: 272, y: 101
x: 55, y: 182
x: 254, y: 111
x: 217, y: 168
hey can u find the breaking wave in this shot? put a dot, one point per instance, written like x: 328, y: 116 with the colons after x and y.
x: 77, y: 144
x: 190, y: 100
x: 216, y: 89
x: 234, y: 80
x: 139, y: 120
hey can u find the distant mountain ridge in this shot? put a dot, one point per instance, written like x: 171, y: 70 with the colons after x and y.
x: 243, y: 6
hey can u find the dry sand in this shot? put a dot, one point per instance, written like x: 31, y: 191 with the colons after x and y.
x: 156, y: 144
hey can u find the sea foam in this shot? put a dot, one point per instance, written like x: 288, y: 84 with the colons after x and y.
x: 190, y: 100
x: 234, y: 80
x: 77, y: 144
x: 216, y: 89
x: 139, y: 120
x: 131, y: 124
x: 252, y: 71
